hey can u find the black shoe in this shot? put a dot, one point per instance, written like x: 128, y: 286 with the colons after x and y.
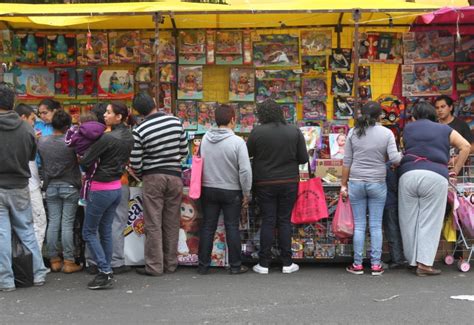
x: 101, y: 281
x: 203, y: 270
x: 396, y: 266
x: 143, y: 271
x: 240, y: 270
x: 121, y: 269
x: 92, y: 269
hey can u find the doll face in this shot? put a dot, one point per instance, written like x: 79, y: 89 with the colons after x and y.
x: 188, y: 211
x: 341, y: 140
x: 190, y: 77
x: 203, y: 108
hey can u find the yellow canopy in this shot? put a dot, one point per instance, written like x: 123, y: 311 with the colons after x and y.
x: 238, y: 14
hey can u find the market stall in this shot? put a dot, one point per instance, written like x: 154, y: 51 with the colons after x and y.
x: 319, y: 61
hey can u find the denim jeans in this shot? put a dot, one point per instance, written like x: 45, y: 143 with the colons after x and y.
x: 276, y: 202
x: 214, y: 200
x: 62, y: 206
x: 391, y: 227
x: 365, y: 195
x: 16, y: 215
x: 100, y: 213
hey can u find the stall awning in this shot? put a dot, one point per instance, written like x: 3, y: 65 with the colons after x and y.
x: 238, y: 14
x: 453, y: 19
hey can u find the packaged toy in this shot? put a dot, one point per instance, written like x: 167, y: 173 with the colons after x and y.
x: 115, y: 84
x: 428, y: 47
x: 314, y: 87
x: 247, y: 118
x: 190, y: 82
x: 30, y: 48
x: 380, y: 47
x: 465, y: 49
x: 124, y: 47
x: 314, y: 109
x: 229, y: 47
x: 276, y: 50
x: 186, y: 111
x: 206, y: 116
x: 61, y: 50
x: 280, y: 85
x: 242, y: 85
x: 192, y: 47
x: 65, y: 82
x: 92, y: 49
x: 340, y: 59
x: 7, y: 53
x: 342, y: 83
x: 343, y: 107
x: 33, y: 82
x: 316, y: 42
x: 465, y: 78
x: 426, y: 80
x: 314, y: 64
x: 167, y: 73
x: 86, y: 83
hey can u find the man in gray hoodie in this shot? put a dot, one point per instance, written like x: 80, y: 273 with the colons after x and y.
x: 17, y: 149
x: 226, y: 185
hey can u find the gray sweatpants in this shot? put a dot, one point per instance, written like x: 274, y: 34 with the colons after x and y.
x: 422, y: 196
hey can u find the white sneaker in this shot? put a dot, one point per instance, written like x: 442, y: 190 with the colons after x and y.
x: 260, y: 269
x: 290, y: 269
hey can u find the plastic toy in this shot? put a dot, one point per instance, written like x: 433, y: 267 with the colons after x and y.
x: 95, y: 54
x: 465, y: 78
x: 314, y: 64
x: 32, y: 48
x: 65, y: 82
x: 247, y: 118
x: 186, y: 112
x: 314, y: 87
x: 6, y: 46
x: 289, y: 112
x: 343, y: 107
x: 167, y: 73
x: 342, y: 83
x: 428, y: 47
x: 314, y: 109
x: 86, y: 83
x: 392, y: 107
x: 190, y: 82
x: 61, y: 50
x: 341, y: 59
x: 206, y: 116
x: 426, y: 80
x: 34, y: 82
x: 242, y: 84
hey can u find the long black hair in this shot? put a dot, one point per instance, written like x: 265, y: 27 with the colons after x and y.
x: 369, y: 115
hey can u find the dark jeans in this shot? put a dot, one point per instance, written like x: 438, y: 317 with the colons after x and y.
x: 276, y: 202
x: 214, y: 200
x: 392, y: 232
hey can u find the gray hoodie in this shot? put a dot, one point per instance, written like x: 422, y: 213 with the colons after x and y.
x: 226, y: 161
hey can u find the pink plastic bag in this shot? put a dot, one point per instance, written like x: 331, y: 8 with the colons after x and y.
x: 196, y: 178
x: 343, y: 221
x: 310, y: 205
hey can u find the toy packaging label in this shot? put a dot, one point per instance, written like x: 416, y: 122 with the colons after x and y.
x: 280, y: 85
x: 428, y: 47
x: 343, y: 107
x: 247, y: 117
x: 33, y: 82
x: 314, y: 64
x: 229, y: 47
x: 314, y: 109
x: 188, y: 239
x: 61, y: 50
x: 337, y: 142
x: 466, y: 105
x: 86, y: 83
x: 426, y: 80
x: 115, y: 84
x: 190, y: 82
x: 342, y: 83
x: 316, y: 42
x: 289, y: 112
x: 65, y: 82
x: 314, y: 87
x: 364, y: 73
x: 206, y: 116
x: 167, y: 73
x: 242, y: 85
x: 31, y: 48
x: 328, y: 166
x: 124, y: 47
x: 98, y: 54
x: 465, y: 78
x: 186, y: 111
x: 381, y: 47
x: 340, y: 59
x: 6, y: 46
x: 276, y: 50
x: 465, y: 49
x: 192, y: 47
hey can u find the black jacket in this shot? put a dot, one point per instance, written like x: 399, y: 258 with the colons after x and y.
x: 17, y: 149
x: 112, y: 151
x: 277, y: 151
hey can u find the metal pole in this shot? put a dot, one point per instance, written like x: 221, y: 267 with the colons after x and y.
x: 156, y: 77
x: 356, y: 16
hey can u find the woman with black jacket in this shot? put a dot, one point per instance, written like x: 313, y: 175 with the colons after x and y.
x: 111, y: 152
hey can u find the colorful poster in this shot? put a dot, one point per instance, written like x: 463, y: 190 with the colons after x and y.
x: 314, y: 64
x: 465, y: 49
x: 7, y: 51
x: 428, y: 47
x: 65, y: 82
x: 86, y: 83
x: 315, y: 87
x: 167, y: 73
x: 229, y: 47
x: 187, y: 112
x: 289, y: 112
x: 31, y: 48
x: 280, y: 85
x: 33, y: 83
x: 192, y: 47
x: 466, y: 105
x: 124, y: 47
x: 337, y: 141
x: 342, y: 83
x: 206, y: 115
x: 343, y: 107
x: 381, y: 47
x: 426, y: 80
x: 115, y: 84
x: 97, y: 53
x: 465, y: 78
x: 340, y: 59
x: 276, y: 50
x: 242, y: 85
x: 247, y: 117
x: 314, y: 109
x: 190, y: 82
x: 316, y: 42
x: 61, y: 50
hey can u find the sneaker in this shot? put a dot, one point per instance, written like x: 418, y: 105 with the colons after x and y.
x: 121, y: 269
x: 240, y: 270
x: 92, y: 269
x: 290, y: 269
x: 101, y: 281
x: 9, y: 289
x: 260, y: 269
x: 377, y: 269
x: 355, y: 269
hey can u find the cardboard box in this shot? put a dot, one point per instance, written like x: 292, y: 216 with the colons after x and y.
x: 328, y: 166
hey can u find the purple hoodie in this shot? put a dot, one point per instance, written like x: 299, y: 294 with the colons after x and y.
x: 82, y: 137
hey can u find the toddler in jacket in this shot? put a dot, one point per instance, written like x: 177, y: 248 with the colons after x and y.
x: 81, y: 138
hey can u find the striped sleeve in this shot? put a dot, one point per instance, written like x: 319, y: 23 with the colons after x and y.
x: 137, y: 153
x: 183, y: 144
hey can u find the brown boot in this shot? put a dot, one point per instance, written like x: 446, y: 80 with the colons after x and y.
x: 56, y: 264
x: 71, y: 267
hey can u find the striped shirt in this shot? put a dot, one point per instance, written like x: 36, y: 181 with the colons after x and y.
x: 160, y: 145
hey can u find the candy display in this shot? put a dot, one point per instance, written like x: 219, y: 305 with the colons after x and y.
x: 276, y: 50
x: 242, y: 85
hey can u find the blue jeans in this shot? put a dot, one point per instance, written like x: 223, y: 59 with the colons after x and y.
x: 100, y: 213
x: 365, y: 195
x: 15, y: 213
x: 62, y: 206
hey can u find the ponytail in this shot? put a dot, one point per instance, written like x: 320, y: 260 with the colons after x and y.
x: 369, y: 115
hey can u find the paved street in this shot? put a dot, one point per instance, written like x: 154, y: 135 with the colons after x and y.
x: 316, y: 294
